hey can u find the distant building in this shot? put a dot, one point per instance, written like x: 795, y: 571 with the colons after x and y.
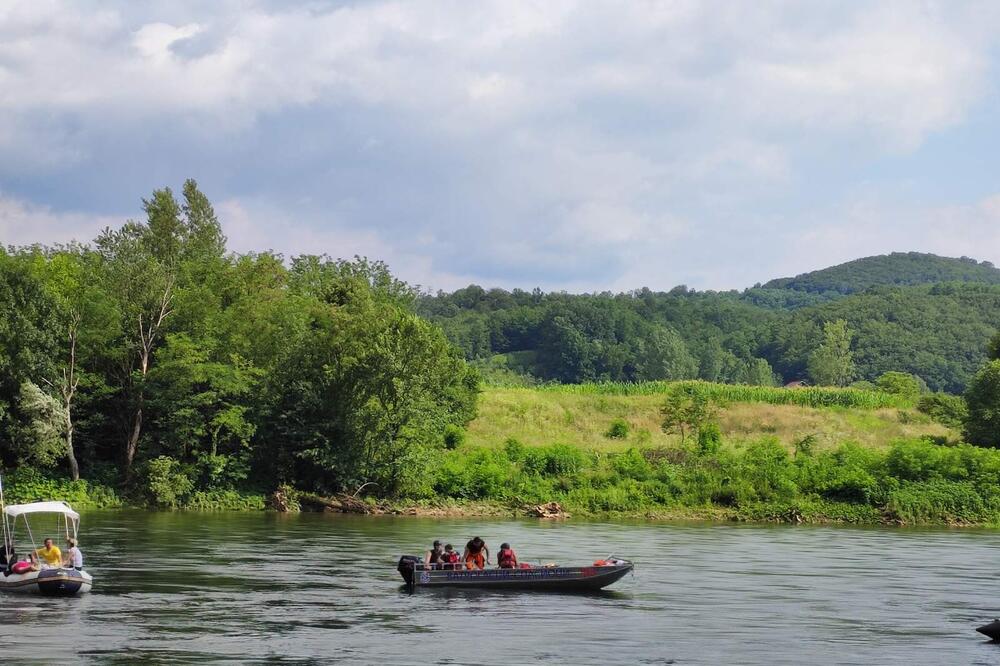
x: 798, y: 383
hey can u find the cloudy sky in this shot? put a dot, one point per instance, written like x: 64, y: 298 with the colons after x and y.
x: 568, y: 145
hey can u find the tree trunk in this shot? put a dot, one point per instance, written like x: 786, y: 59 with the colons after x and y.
x: 132, y: 445
x: 74, y: 467
x: 70, y: 383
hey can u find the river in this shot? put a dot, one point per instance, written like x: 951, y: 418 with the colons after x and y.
x: 314, y: 589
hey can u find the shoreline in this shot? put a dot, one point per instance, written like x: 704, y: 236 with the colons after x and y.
x: 760, y: 515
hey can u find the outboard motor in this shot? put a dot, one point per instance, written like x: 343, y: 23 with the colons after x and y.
x: 407, y: 563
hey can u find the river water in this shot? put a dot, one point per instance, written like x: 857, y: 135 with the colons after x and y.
x: 316, y: 589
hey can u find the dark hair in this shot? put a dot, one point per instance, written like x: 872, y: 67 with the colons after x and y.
x: 449, y: 547
x: 504, y: 546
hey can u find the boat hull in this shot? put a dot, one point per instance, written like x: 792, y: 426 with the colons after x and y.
x: 49, y: 582
x: 991, y: 630
x: 555, y: 579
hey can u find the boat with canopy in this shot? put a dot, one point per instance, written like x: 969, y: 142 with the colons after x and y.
x: 547, y: 578
x: 21, y: 576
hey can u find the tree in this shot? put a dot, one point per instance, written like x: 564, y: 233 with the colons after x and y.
x: 993, y: 347
x: 982, y: 426
x: 832, y: 364
x: 902, y: 384
x: 29, y: 342
x: 361, y: 394
x: 138, y: 266
x: 686, y: 409
x: 41, y: 439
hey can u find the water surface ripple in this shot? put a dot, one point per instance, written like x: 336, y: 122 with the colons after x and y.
x: 318, y: 589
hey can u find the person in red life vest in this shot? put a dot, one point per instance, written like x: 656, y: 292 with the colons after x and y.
x: 449, y: 558
x: 506, y: 557
x: 477, y: 554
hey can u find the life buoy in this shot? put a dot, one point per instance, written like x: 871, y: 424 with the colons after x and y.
x: 21, y: 567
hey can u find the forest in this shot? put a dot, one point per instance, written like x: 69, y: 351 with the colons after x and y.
x: 921, y: 314
x: 152, y: 366
x: 155, y: 360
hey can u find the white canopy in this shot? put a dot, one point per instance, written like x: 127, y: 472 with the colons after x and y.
x: 15, y: 510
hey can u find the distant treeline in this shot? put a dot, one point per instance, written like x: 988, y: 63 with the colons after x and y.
x: 935, y: 326
x: 155, y: 357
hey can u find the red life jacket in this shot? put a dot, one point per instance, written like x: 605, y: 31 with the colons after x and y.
x: 506, y: 558
x: 449, y: 558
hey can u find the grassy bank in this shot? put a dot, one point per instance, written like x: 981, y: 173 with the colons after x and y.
x: 598, y: 450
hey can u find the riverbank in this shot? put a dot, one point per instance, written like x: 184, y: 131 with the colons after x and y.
x: 601, y: 455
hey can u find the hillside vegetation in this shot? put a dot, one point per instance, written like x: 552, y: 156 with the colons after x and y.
x: 898, y: 268
x: 917, y: 313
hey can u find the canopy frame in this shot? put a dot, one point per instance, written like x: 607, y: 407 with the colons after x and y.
x: 10, y: 514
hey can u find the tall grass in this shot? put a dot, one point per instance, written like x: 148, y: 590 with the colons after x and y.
x: 810, y: 396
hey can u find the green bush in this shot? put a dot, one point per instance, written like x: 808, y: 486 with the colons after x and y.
x: 939, y: 501
x: 454, y: 436
x: 26, y: 484
x: 632, y: 465
x: 902, y: 384
x: 225, y: 500
x: 618, y: 429
x: 167, y: 484
x: 709, y: 438
x: 949, y: 410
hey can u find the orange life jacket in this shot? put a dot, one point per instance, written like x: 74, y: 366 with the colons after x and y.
x: 506, y: 558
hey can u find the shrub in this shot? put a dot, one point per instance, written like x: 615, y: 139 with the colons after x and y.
x: 939, y: 501
x: 166, y: 482
x: 709, y: 439
x: 554, y: 460
x: 902, y: 384
x: 949, y: 410
x: 454, y: 436
x: 618, y: 429
x: 26, y: 484
x: 514, y: 449
x: 632, y: 465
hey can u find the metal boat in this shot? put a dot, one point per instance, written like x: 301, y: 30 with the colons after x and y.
x: 417, y: 574
x: 58, y: 581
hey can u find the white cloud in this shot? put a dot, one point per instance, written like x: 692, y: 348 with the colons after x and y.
x: 564, y: 142
x: 23, y: 223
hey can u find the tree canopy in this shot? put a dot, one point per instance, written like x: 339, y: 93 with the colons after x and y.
x: 157, y: 353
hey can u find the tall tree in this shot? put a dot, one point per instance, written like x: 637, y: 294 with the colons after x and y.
x: 832, y: 363
x: 982, y: 425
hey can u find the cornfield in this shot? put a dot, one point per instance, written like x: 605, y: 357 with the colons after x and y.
x: 809, y: 396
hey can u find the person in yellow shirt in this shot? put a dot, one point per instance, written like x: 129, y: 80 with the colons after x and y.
x: 50, y: 554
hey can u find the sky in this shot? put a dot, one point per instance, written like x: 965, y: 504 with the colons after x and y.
x: 569, y: 145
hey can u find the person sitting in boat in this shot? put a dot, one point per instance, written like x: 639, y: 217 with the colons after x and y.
x: 433, y: 557
x: 477, y: 554
x: 7, y: 560
x: 449, y: 558
x: 73, y: 558
x: 49, y: 556
x: 506, y: 557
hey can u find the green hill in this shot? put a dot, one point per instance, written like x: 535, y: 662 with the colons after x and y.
x: 918, y: 313
x: 898, y: 269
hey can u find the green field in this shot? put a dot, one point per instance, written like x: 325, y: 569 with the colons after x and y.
x: 581, y: 415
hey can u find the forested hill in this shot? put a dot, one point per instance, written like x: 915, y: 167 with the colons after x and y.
x: 937, y: 331
x: 898, y: 268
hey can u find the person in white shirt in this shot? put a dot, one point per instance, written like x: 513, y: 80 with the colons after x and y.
x: 74, y: 558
